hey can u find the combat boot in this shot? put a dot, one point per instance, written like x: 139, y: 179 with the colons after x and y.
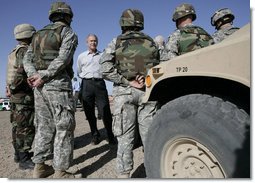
x: 25, y: 161
x: 42, y: 170
x: 60, y: 174
x: 16, y: 156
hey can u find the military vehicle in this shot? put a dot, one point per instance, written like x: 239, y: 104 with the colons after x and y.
x: 202, y: 128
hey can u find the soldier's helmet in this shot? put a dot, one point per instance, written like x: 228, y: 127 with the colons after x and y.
x: 24, y: 31
x: 184, y: 10
x: 132, y: 18
x: 60, y: 8
x: 225, y: 15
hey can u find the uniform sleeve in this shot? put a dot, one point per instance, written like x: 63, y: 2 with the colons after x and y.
x: 171, y: 48
x: 66, y: 52
x: 79, y: 65
x: 20, y: 75
x: 27, y: 62
x: 108, y: 69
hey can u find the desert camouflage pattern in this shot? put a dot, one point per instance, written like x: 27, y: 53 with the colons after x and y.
x: 184, y: 10
x: 223, y: 33
x: 135, y: 54
x: 180, y: 42
x: 23, y: 31
x: 22, y: 101
x: 13, y: 63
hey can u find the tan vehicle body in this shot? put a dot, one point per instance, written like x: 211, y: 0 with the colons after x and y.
x: 202, y: 127
x: 229, y: 59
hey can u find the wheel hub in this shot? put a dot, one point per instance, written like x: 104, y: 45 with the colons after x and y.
x: 186, y: 158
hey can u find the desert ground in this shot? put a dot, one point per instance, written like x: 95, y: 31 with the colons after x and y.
x: 90, y: 161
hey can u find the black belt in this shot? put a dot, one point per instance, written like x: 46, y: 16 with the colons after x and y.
x: 94, y: 79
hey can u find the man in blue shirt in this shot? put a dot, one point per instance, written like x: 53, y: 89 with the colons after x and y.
x: 93, y: 90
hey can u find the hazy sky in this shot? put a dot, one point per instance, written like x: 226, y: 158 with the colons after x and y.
x: 101, y: 17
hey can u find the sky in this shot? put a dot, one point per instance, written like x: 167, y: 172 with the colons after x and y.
x: 101, y: 17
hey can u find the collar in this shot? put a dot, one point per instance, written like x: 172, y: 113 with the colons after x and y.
x: 95, y: 53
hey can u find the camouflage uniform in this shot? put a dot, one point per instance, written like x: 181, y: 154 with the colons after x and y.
x: 222, y: 34
x: 222, y: 19
x: 128, y: 106
x: 187, y: 38
x: 52, y: 58
x: 22, y: 102
x: 21, y: 98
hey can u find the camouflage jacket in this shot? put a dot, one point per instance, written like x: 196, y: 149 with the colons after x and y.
x: 55, y: 76
x: 172, y: 47
x: 21, y: 92
x: 221, y: 34
x: 109, y: 65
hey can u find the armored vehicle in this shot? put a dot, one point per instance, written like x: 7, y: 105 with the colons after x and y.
x: 202, y: 129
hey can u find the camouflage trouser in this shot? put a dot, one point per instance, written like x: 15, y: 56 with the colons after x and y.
x: 55, y: 124
x: 129, y: 110
x: 23, y: 130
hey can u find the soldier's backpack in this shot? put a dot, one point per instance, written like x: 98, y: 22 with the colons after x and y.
x: 135, y: 54
x: 193, y: 38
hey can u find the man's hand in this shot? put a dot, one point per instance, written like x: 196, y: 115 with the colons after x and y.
x: 140, y: 79
x: 35, y: 81
x: 139, y: 82
x: 8, y: 92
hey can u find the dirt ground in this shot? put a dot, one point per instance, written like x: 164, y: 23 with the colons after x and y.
x: 91, y: 161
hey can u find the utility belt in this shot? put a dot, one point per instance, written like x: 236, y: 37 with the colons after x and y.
x: 94, y: 79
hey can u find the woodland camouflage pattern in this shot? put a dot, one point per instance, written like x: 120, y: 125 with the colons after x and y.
x: 129, y: 110
x: 135, y: 54
x: 181, y: 42
x: 184, y: 10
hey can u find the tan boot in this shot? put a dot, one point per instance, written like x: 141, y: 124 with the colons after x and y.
x: 123, y: 176
x: 42, y: 170
x: 60, y: 174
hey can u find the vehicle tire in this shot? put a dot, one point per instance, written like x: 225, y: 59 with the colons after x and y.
x: 4, y: 109
x: 198, y: 136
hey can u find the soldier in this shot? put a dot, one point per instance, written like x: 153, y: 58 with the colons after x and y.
x: 222, y: 19
x: 21, y: 98
x: 187, y: 37
x: 48, y: 63
x: 159, y: 40
x: 125, y: 62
